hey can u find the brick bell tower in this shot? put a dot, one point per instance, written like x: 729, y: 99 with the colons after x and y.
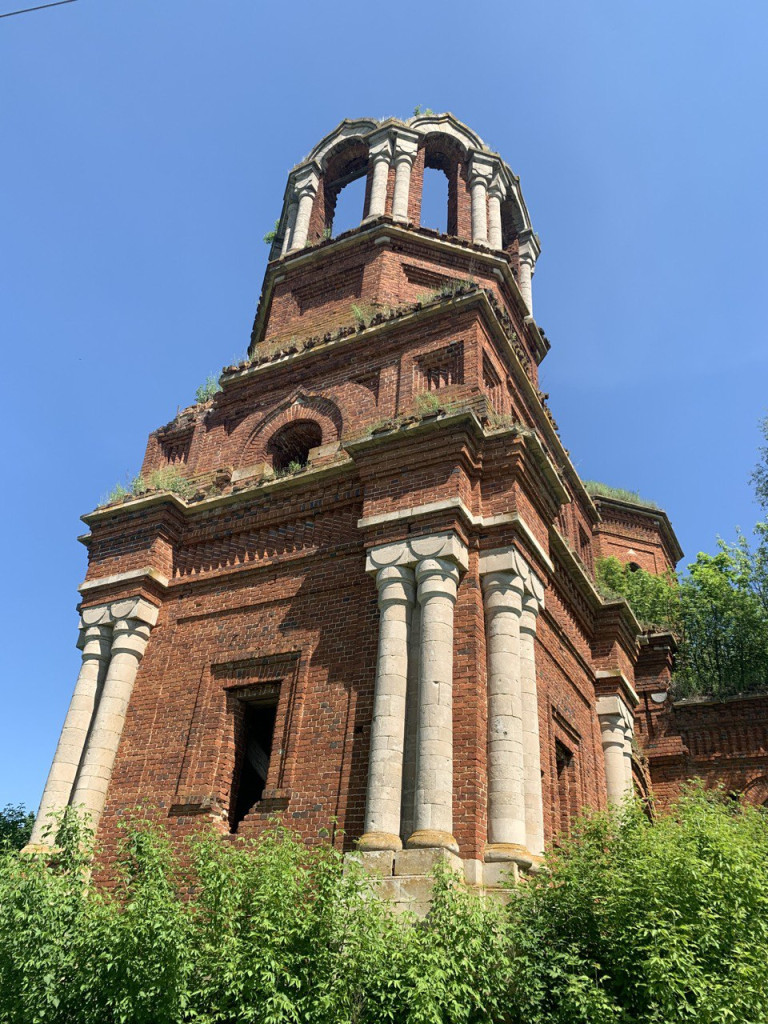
x: 372, y: 601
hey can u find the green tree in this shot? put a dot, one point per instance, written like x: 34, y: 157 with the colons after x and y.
x: 15, y: 826
x: 760, y: 472
x: 654, y: 599
x: 644, y: 923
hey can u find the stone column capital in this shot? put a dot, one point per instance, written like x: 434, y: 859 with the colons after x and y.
x: 94, y: 640
x: 124, y: 608
x: 497, y: 189
x: 502, y: 591
x: 405, y: 145
x: 380, y: 145
x: 306, y: 182
x: 437, y: 576
x: 410, y: 552
x: 481, y: 168
x: 396, y: 584
x: 510, y: 560
x: 529, y: 249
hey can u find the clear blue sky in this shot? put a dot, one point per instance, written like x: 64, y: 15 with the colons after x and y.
x: 145, y: 148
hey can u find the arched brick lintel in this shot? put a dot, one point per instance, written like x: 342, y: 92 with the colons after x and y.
x: 756, y: 792
x: 321, y: 411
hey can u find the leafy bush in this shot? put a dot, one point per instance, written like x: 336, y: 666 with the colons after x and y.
x: 639, y: 922
x: 15, y: 826
x: 654, y: 599
x: 633, y: 923
x: 270, y: 236
x: 596, y: 489
x: 207, y: 390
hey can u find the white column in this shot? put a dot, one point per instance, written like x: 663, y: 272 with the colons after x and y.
x: 290, y: 224
x: 528, y: 250
x: 385, y: 771
x: 534, y: 804
x: 306, y: 190
x: 495, y: 196
x: 437, y: 580
x: 129, y: 641
x: 405, y: 154
x: 503, y: 594
x: 95, y: 643
x: 380, y: 155
x: 615, y: 729
x: 480, y: 171
x: 410, y: 755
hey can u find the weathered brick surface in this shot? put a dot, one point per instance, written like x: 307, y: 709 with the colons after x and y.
x: 267, y: 592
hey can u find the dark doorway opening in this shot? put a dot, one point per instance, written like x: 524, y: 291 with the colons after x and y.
x: 254, y: 746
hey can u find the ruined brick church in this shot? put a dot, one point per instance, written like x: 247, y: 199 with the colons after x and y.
x: 373, y: 603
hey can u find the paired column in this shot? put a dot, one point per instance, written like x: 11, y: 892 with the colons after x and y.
x: 129, y: 640
x: 290, y: 225
x: 95, y: 643
x: 113, y: 639
x: 513, y: 596
x: 616, y: 729
x: 410, y: 778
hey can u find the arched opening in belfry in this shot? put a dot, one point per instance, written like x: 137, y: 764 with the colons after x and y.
x: 289, y: 447
x: 345, y: 178
x: 434, y: 200
x: 510, y: 225
x: 443, y: 157
x: 349, y: 206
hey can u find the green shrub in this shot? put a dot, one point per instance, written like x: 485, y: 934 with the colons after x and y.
x: 167, y: 478
x: 654, y: 599
x: 631, y: 923
x: 207, y: 390
x: 270, y: 236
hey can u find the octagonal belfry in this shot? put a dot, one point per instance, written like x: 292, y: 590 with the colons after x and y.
x: 358, y: 585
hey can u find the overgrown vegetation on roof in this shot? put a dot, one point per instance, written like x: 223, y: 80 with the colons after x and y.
x: 167, y: 478
x: 207, y: 389
x: 596, y: 489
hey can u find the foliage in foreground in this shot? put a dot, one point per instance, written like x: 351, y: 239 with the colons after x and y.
x: 15, y: 826
x: 634, y: 923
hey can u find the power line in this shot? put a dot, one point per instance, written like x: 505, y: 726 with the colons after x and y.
x: 26, y: 10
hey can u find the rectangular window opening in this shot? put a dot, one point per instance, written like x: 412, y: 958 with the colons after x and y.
x: 255, y: 730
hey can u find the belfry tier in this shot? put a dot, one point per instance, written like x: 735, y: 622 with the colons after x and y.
x: 389, y: 259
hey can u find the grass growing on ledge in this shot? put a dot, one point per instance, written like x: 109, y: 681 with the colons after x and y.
x: 599, y: 490
x: 167, y: 478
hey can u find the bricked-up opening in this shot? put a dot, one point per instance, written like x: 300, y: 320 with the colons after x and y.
x: 567, y: 796
x: 255, y: 728
x: 289, y: 447
x: 349, y: 206
x: 434, y: 199
x: 441, y: 368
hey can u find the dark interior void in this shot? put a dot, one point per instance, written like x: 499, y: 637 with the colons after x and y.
x: 254, y: 749
x: 291, y: 444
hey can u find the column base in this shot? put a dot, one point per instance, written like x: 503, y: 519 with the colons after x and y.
x: 495, y: 852
x: 379, y: 841
x: 429, y: 838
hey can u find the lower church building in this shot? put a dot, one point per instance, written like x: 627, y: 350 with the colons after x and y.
x: 357, y: 583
